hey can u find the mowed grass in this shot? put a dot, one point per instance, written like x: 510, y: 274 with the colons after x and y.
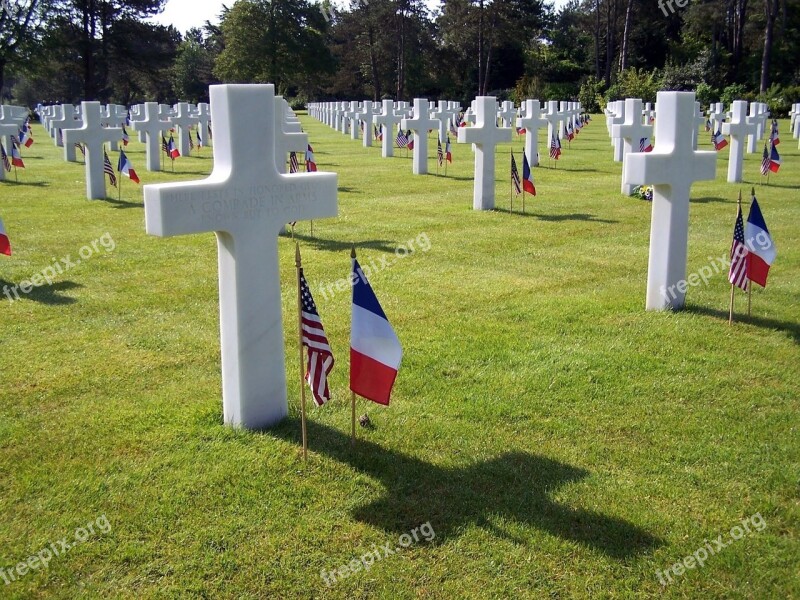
x: 560, y: 440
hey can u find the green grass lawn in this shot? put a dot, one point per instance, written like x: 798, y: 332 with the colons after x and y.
x: 558, y: 439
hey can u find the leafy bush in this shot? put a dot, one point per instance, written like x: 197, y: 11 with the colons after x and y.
x: 705, y: 94
x: 591, y: 90
x: 635, y: 83
x: 733, y: 92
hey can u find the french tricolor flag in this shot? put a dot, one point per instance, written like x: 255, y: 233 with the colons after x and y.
x: 762, y: 249
x: 5, y: 244
x: 375, y: 351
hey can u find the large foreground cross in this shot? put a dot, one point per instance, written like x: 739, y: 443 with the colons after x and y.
x: 245, y: 202
x: 485, y: 135
x: 670, y: 168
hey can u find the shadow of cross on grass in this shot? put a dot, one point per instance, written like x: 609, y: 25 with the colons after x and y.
x: 515, y: 486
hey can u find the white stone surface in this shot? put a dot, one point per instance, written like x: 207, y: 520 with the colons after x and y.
x: 93, y: 136
x: 245, y: 201
x: 631, y: 132
x: 485, y: 136
x: 386, y: 121
x: 532, y: 121
x: 670, y: 168
x: 738, y: 129
x: 420, y: 123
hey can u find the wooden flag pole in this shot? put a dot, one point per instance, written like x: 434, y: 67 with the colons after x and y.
x: 749, y: 295
x: 733, y: 287
x: 523, y: 198
x: 353, y: 394
x: 512, y: 183
x: 299, y: 265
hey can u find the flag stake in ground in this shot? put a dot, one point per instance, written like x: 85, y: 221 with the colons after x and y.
x: 299, y: 265
x: 353, y: 394
x: 733, y: 286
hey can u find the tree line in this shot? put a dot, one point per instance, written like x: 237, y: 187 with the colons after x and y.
x: 589, y: 50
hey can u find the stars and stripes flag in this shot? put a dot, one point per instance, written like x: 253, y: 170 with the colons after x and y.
x: 737, y: 274
x: 555, y: 147
x: 765, y: 161
x: 375, y: 351
x: 568, y: 132
x: 718, y: 140
x: 645, y: 145
x: 453, y: 129
x: 164, y: 145
x: 108, y: 169
x: 16, y: 158
x: 448, y: 151
x: 774, y: 138
x: 774, y: 160
x: 125, y: 138
x: 762, y: 251
x: 319, y: 356
x: 401, y: 140
x: 310, y: 164
x: 439, y: 152
x: 125, y: 167
x: 515, y: 181
x: 294, y: 166
x: 527, y: 176
x: 6, y: 162
x: 5, y: 243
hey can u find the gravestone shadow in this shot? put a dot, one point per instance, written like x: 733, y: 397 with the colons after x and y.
x: 793, y: 329
x: 515, y: 486
x: 46, y: 294
x: 26, y: 183
x: 117, y: 203
x: 556, y: 218
x: 708, y: 199
x: 339, y: 246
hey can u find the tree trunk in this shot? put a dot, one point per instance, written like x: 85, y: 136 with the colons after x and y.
x: 597, y: 39
x: 770, y: 12
x: 480, y: 47
x: 376, y: 83
x: 2, y: 77
x: 611, y: 18
x: 623, y: 57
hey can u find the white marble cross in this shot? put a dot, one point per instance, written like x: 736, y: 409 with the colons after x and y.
x: 354, y: 115
x: 699, y: 121
x: 152, y: 126
x: 670, y: 168
x: 444, y: 114
x: 532, y: 120
x: 631, y: 132
x: 65, y: 119
x: 552, y: 117
x: 420, y: 124
x: 6, y: 132
x: 485, y: 136
x: 618, y: 118
x: 13, y: 117
x: 507, y: 113
x: 716, y: 112
x: 367, y: 112
x: 245, y: 201
x: 739, y: 128
x: 287, y: 138
x: 387, y: 119
x: 93, y: 136
x: 114, y: 115
x: 203, y: 114
x: 754, y: 118
x: 183, y: 120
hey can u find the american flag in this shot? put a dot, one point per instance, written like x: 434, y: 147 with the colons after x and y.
x: 109, y: 170
x: 402, y: 139
x: 320, y: 356
x: 164, y: 145
x: 555, y: 147
x: 294, y: 166
x: 6, y: 162
x: 453, y: 130
x: 738, y: 272
x: 125, y: 137
x: 765, y: 161
x: 439, y: 152
x: 448, y: 151
x: 515, y: 180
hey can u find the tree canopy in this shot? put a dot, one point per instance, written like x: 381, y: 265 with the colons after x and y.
x: 591, y: 50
